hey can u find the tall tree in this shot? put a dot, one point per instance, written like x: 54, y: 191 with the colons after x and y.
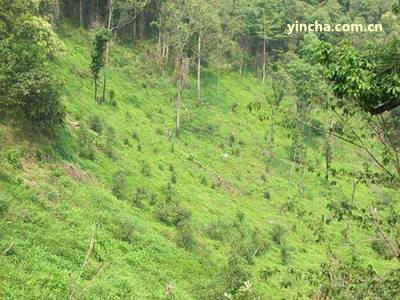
x: 98, y: 56
x: 175, y: 26
x: 204, y: 23
x: 269, y: 18
x: 110, y: 12
x: 128, y: 11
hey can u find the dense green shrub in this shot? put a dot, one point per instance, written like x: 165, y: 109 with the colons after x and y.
x: 13, y: 158
x: 170, y: 210
x: 218, y: 230
x: 145, y: 168
x: 96, y: 124
x: 27, y: 84
x: 125, y: 231
x: 139, y: 196
x: 119, y: 184
x: 380, y: 248
x: 235, y: 274
x: 267, y: 195
x: 185, y: 236
x: 153, y: 198
x: 109, y: 142
x: 285, y: 254
x: 135, y: 136
x: 173, y: 178
x: 111, y: 95
x: 3, y: 206
x: 249, y: 243
x: 277, y: 234
x: 86, y: 140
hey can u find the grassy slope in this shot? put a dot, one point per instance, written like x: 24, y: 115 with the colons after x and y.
x: 50, y: 214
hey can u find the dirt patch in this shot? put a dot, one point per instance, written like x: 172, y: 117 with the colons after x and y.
x: 75, y: 172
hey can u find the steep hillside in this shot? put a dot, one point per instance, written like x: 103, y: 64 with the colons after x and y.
x: 115, y: 206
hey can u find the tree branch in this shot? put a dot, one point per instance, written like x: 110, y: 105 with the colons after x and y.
x: 384, y: 107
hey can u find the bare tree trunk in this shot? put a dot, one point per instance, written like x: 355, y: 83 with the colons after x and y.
x: 159, y: 46
x: 328, y: 150
x: 178, y: 111
x: 95, y: 90
x: 134, y: 28
x: 142, y: 24
x: 164, y: 50
x: 218, y: 79
x: 303, y: 169
x: 107, y: 51
x: 264, y: 60
x: 179, y: 100
x: 272, y: 133
x: 56, y: 10
x: 199, y: 71
x: 80, y: 14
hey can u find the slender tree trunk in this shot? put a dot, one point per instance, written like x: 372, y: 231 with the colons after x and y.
x: 178, y: 111
x: 218, y: 79
x: 80, y: 14
x: 179, y: 99
x: 272, y: 132
x: 107, y: 52
x: 199, y: 71
x: 303, y: 171
x: 134, y: 28
x: 95, y: 90
x: 142, y: 24
x: 164, y: 50
x: 57, y: 11
x: 264, y: 60
x: 159, y: 45
x: 328, y: 151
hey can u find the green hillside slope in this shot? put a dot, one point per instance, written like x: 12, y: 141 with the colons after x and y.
x: 115, y: 206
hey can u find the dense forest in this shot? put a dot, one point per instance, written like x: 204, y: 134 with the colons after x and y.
x: 193, y: 149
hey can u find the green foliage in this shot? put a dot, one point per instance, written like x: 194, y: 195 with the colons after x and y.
x: 96, y: 124
x: 231, y: 253
x: 218, y: 230
x: 234, y: 274
x: 368, y: 76
x: 98, y: 54
x: 267, y: 195
x: 3, y: 206
x: 145, y: 169
x: 112, y: 100
x: 185, y: 236
x: 285, y: 254
x: 125, y: 231
x: 109, y: 141
x: 277, y: 234
x: 350, y: 279
x: 139, y: 196
x: 119, y: 184
x: 14, y: 158
x: 86, y: 140
x: 27, y: 83
x: 170, y: 211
